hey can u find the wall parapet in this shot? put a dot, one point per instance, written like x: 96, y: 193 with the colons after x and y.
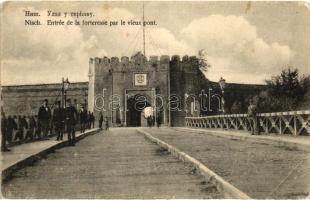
x: 291, y: 122
x: 151, y: 59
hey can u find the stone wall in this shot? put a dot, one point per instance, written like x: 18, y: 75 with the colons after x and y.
x: 114, y: 78
x: 185, y: 79
x: 26, y: 99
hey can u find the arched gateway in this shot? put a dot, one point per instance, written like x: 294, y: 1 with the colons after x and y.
x: 136, y: 104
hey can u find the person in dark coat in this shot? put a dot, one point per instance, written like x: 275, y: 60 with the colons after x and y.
x: 32, y: 125
x: 44, y: 118
x: 252, y: 115
x: 38, y: 128
x: 4, y: 128
x: 100, y: 120
x: 149, y: 121
x: 88, y: 120
x: 20, y: 129
x: 153, y: 120
x: 11, y: 127
x: 16, y: 123
x: 70, y: 120
x: 29, y: 130
x: 59, y: 120
x: 92, y: 120
x: 83, y: 119
x: 158, y: 120
x: 24, y: 125
x: 106, y: 123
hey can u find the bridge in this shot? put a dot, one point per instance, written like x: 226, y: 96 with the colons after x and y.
x: 212, y: 157
x: 293, y: 122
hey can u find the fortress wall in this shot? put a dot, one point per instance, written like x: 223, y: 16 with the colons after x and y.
x: 184, y: 79
x: 101, y: 85
x: 117, y: 75
x: 26, y: 99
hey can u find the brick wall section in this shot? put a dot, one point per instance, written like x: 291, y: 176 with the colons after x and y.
x: 26, y: 99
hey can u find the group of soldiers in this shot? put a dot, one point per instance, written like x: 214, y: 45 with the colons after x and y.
x: 42, y: 126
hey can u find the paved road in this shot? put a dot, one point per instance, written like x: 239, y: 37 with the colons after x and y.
x: 118, y: 164
x: 259, y: 170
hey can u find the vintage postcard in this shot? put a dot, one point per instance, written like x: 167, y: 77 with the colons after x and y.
x: 155, y: 100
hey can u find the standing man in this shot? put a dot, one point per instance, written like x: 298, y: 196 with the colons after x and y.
x: 252, y: 117
x: 25, y: 124
x: 32, y: 126
x: 88, y: 120
x: 59, y: 120
x: 106, y: 123
x: 30, y: 129
x: 149, y: 120
x: 20, y: 129
x: 37, y: 132
x: 11, y: 127
x: 4, y: 128
x: 158, y: 120
x: 70, y: 119
x: 92, y: 120
x: 83, y: 119
x: 44, y: 117
x: 100, y: 120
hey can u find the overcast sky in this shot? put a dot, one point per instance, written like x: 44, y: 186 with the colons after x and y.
x: 245, y: 42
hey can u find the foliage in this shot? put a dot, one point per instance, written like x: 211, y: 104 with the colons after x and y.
x: 236, y: 107
x: 202, y: 61
x: 284, y: 92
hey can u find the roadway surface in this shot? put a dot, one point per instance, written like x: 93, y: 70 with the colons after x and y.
x: 116, y: 164
x: 259, y: 170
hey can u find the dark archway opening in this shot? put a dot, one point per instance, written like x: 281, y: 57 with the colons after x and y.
x: 135, y: 106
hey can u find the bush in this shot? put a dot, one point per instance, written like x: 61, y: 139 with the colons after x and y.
x: 284, y: 92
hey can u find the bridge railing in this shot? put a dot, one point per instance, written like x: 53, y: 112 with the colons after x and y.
x: 293, y: 122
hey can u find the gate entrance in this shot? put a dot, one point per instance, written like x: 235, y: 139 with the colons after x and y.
x: 135, y: 102
x: 135, y: 106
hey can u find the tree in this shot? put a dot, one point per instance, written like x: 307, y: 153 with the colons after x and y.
x: 202, y: 61
x: 284, y: 92
x: 236, y: 107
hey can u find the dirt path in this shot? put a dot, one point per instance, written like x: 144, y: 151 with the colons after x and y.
x: 117, y: 164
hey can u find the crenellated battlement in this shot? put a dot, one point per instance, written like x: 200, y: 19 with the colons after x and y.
x: 140, y: 58
x: 138, y: 62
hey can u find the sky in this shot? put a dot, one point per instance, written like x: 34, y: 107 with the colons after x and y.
x: 245, y: 42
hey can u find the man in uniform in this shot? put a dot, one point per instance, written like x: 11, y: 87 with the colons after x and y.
x: 252, y: 117
x: 32, y: 125
x: 37, y: 132
x: 158, y: 119
x: 29, y: 129
x: 70, y: 119
x: 4, y: 127
x: 11, y: 127
x: 44, y: 117
x: 20, y: 129
x: 92, y: 120
x: 106, y: 123
x: 88, y: 120
x: 59, y: 120
x: 100, y: 120
x: 83, y: 119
